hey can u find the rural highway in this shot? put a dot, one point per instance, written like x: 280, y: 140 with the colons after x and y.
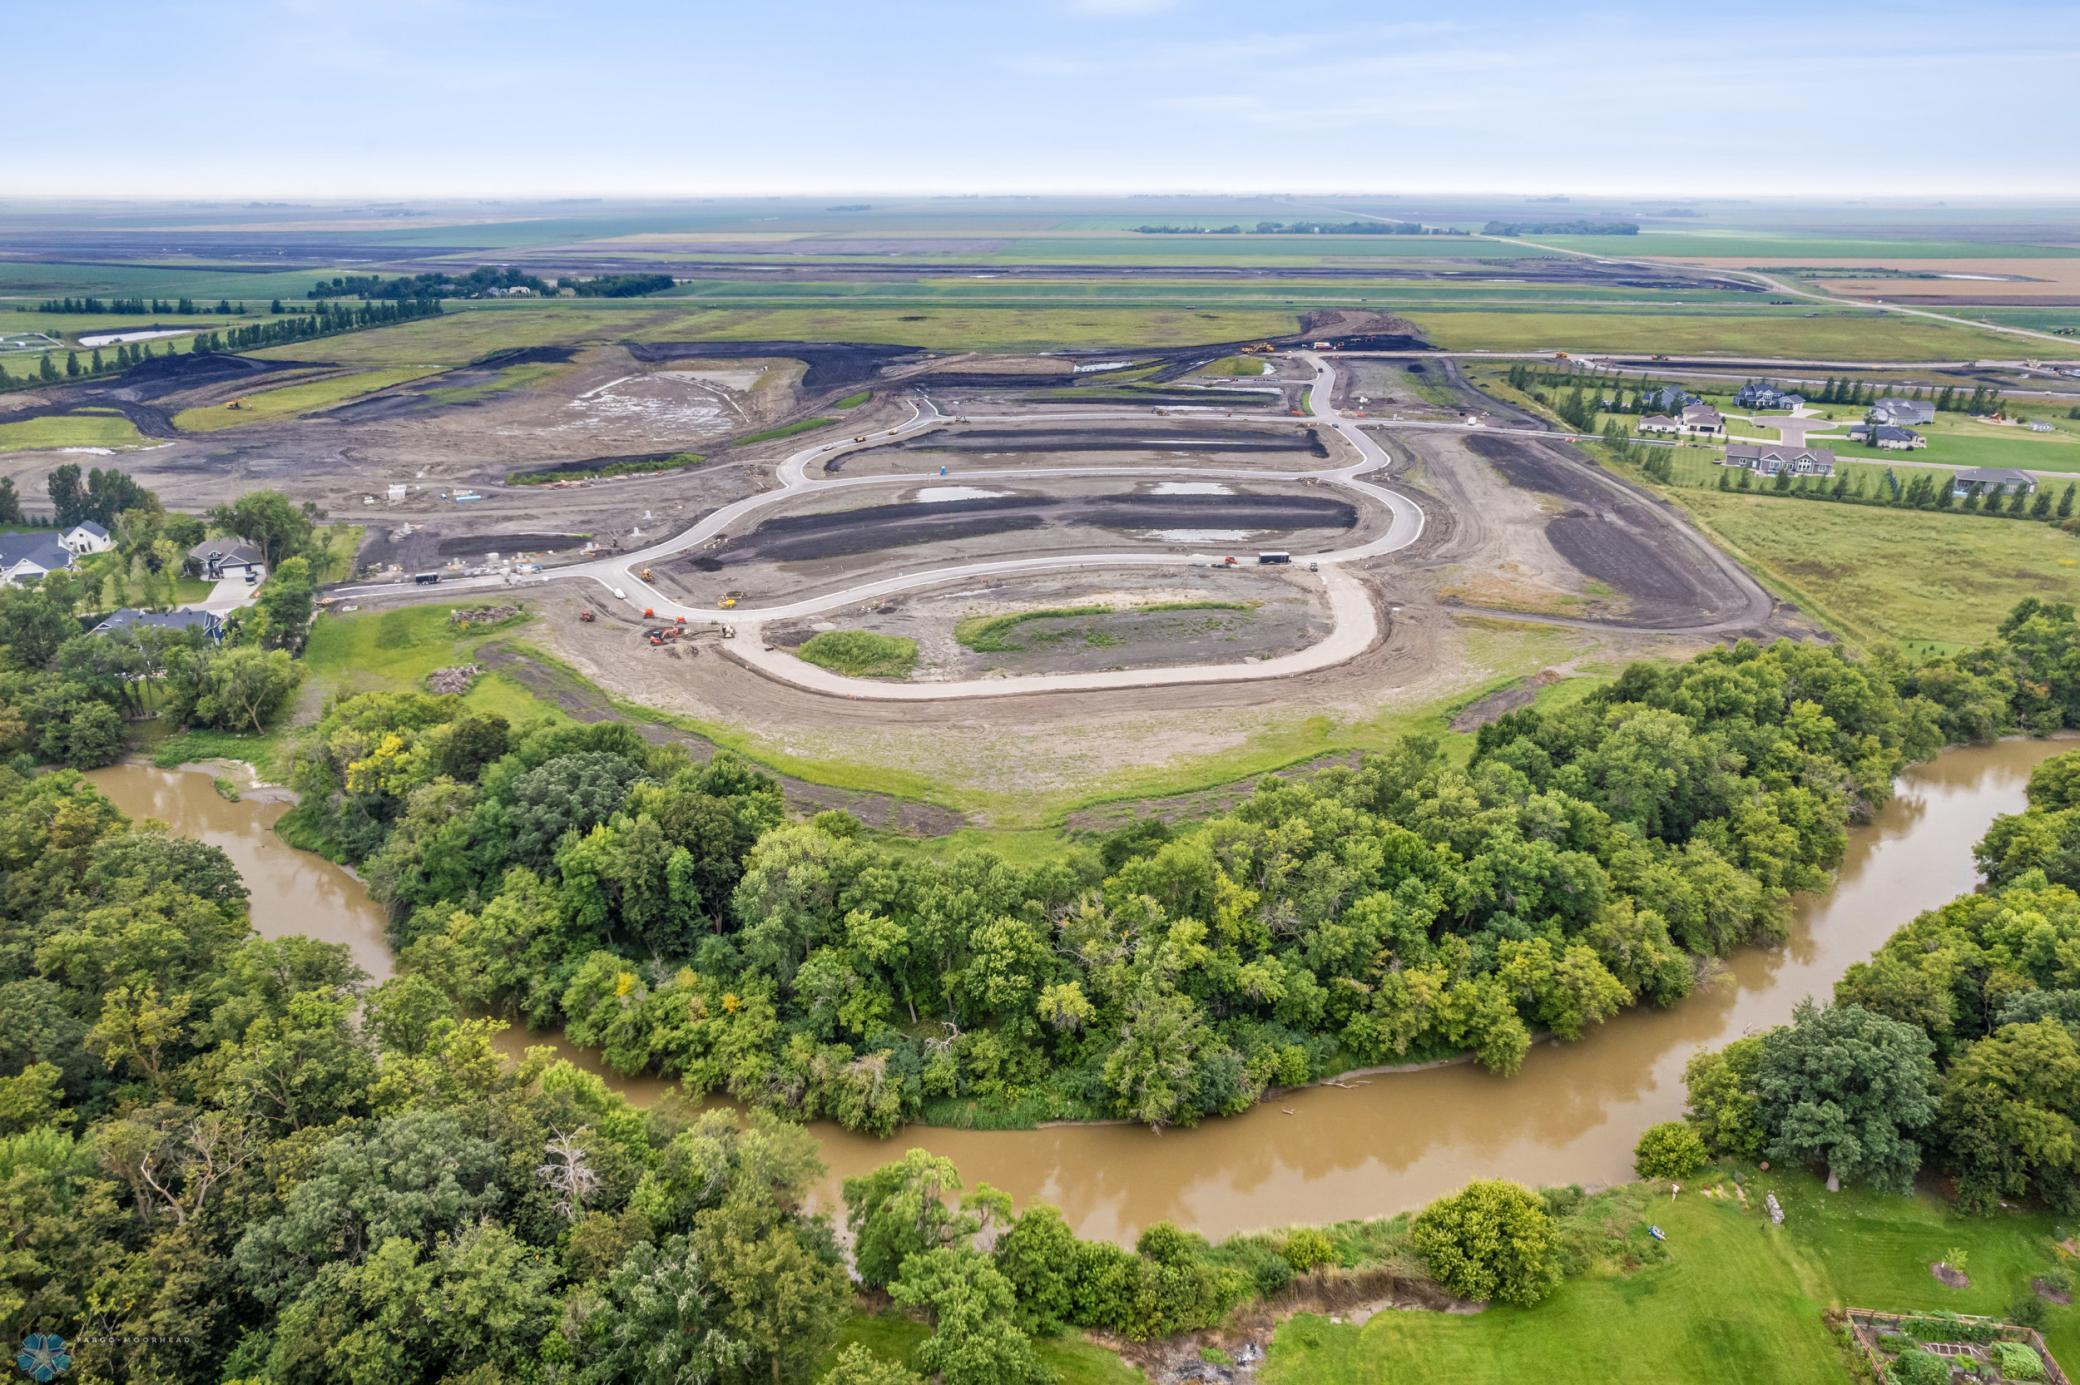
x: 1355, y: 622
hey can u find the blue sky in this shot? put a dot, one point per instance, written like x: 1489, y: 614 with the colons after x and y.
x: 475, y: 97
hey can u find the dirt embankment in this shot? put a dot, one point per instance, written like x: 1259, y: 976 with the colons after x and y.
x: 582, y: 702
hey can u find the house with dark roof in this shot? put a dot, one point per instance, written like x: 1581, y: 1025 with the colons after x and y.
x: 1902, y: 413
x: 208, y: 622
x: 1997, y: 480
x: 1886, y: 436
x: 1668, y: 399
x: 1760, y: 396
x: 1768, y: 459
x: 86, y: 537
x: 31, y: 557
x: 217, y: 559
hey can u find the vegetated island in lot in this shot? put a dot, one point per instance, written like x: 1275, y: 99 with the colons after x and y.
x: 1587, y: 859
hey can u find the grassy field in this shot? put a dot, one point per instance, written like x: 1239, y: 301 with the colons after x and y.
x: 979, y: 329
x: 860, y: 653
x: 462, y: 335
x: 289, y: 400
x: 69, y: 430
x: 1248, y: 367
x: 1829, y: 335
x: 893, y: 1337
x: 1734, y: 1298
x: 1924, y: 576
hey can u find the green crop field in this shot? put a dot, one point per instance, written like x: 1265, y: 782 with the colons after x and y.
x: 69, y: 430
x: 289, y: 400
x: 1733, y: 1298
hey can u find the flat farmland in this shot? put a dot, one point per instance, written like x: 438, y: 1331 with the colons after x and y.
x: 1848, y: 336
x: 1733, y: 248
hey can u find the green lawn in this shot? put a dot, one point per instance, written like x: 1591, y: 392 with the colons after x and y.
x: 69, y: 430
x: 1733, y: 1299
x: 1932, y: 577
x: 893, y: 1337
x: 287, y: 401
x: 860, y: 653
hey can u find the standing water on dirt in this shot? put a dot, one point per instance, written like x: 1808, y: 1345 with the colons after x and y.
x: 1380, y: 1145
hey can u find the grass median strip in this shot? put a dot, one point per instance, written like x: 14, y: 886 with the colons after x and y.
x: 860, y: 653
x: 993, y: 634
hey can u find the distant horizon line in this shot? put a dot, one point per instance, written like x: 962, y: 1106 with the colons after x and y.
x: 1933, y: 197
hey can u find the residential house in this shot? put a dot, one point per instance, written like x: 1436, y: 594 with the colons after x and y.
x: 1886, y: 436
x: 1767, y: 459
x: 1761, y: 396
x: 31, y: 557
x: 1668, y: 399
x: 216, y: 559
x: 86, y: 537
x: 208, y: 622
x: 1902, y: 413
x: 1997, y: 479
x: 1703, y: 420
x: 1660, y: 423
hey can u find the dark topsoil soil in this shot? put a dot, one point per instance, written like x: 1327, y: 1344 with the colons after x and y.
x: 840, y: 533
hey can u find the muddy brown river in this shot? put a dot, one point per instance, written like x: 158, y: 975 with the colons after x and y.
x: 1381, y: 1145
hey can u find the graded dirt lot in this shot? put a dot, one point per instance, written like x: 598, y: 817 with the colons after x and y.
x: 1095, y: 443
x: 847, y: 536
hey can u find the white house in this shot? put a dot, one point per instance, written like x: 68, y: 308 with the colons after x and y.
x: 31, y: 557
x: 86, y: 537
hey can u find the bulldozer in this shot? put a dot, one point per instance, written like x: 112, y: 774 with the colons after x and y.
x: 728, y: 602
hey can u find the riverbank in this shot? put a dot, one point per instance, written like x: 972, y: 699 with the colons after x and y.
x: 1325, y: 1152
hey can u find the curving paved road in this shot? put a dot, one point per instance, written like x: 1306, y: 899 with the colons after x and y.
x: 1355, y: 623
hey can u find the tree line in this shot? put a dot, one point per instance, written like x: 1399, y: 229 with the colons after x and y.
x: 231, y: 1157
x: 184, y: 307
x: 326, y: 319
x: 1959, y: 1041
x: 481, y: 282
x: 1926, y: 489
x: 1585, y: 860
